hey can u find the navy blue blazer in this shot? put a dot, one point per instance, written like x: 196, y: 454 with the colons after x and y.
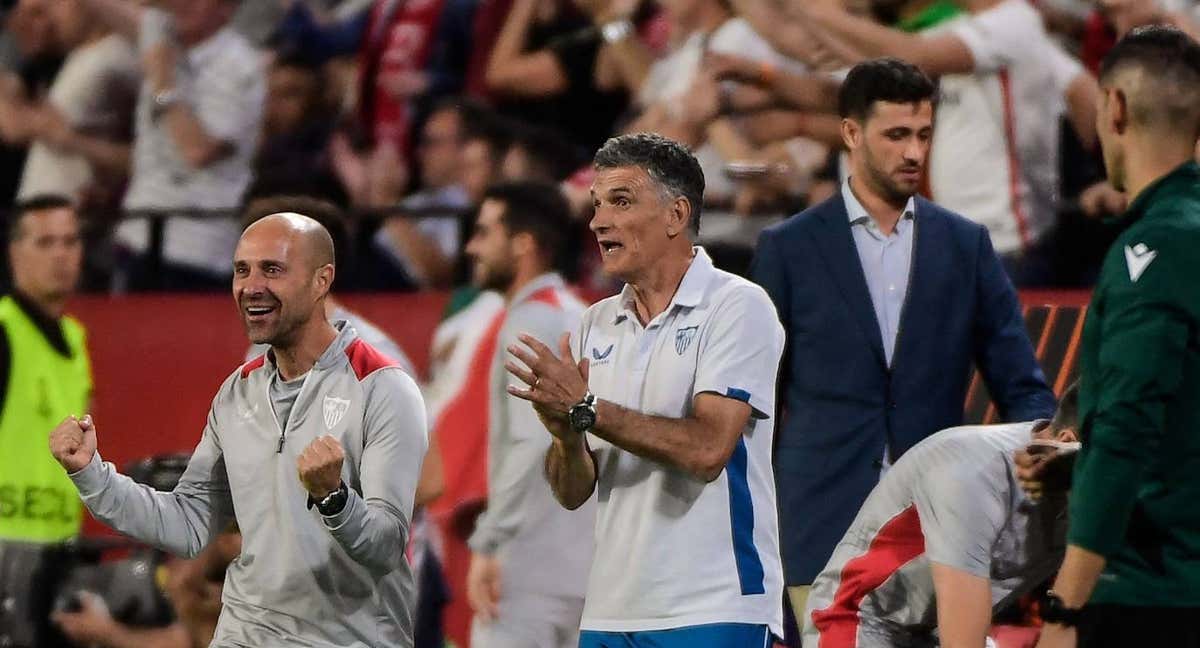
x: 841, y: 403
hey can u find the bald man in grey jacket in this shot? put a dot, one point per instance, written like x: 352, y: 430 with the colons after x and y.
x: 314, y: 448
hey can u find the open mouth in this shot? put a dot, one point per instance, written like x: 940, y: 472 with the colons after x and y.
x: 258, y: 313
x: 609, y: 247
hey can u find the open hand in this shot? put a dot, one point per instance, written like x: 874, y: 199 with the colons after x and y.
x: 320, y: 466
x: 483, y: 585
x: 73, y: 443
x: 556, y: 383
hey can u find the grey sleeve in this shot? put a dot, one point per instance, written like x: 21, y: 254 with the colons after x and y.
x: 962, y: 511
x: 181, y: 521
x: 518, y: 451
x: 373, y: 527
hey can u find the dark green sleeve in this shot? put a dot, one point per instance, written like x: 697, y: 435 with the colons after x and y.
x: 1144, y: 334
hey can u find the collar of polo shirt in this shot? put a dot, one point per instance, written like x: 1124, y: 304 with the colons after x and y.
x: 688, y: 295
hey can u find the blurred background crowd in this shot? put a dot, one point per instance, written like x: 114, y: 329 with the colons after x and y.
x: 403, y: 111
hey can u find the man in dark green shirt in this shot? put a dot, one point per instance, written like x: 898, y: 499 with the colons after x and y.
x: 1134, y: 539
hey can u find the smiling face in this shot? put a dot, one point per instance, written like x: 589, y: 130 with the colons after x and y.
x: 279, y: 282
x: 635, y: 223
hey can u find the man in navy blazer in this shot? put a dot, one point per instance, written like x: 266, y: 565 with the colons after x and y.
x: 887, y: 300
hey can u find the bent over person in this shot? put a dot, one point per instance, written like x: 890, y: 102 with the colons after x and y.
x: 314, y: 448
x: 668, y: 417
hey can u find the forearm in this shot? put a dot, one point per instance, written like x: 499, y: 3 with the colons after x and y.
x: 511, y: 41
x: 108, y: 157
x: 852, y: 39
x: 806, y: 92
x: 123, y: 636
x: 964, y: 607
x: 683, y: 444
x: 122, y: 16
x: 179, y: 523
x: 1078, y: 576
x: 782, y: 31
x: 195, y: 145
x: 779, y: 125
x: 571, y: 471
x: 632, y: 60
x: 374, y: 533
x: 434, y: 268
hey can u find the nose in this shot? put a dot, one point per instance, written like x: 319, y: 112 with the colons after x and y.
x: 916, y: 150
x: 600, y: 222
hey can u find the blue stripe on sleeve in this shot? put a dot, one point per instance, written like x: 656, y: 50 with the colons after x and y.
x: 741, y: 517
x: 738, y: 394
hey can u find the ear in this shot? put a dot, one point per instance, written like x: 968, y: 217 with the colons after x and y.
x: 851, y: 133
x: 1119, y: 110
x: 1066, y: 435
x: 679, y: 216
x: 522, y: 244
x: 323, y: 281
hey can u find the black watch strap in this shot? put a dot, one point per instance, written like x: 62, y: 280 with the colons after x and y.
x: 331, y: 504
x: 1053, y: 610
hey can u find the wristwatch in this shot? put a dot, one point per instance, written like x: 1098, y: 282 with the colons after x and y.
x: 582, y: 415
x: 616, y: 30
x: 333, y: 503
x: 164, y: 99
x: 1053, y: 610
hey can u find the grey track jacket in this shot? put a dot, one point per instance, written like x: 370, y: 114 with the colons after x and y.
x: 301, y: 579
x: 545, y: 551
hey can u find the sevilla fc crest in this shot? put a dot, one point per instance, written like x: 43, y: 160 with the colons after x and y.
x: 335, y: 409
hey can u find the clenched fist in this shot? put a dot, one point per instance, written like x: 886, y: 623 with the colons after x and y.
x: 320, y: 466
x: 73, y: 443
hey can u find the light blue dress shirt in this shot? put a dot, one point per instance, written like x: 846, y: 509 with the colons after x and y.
x: 886, y: 262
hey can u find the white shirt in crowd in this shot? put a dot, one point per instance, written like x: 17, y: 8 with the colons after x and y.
x: 223, y: 81
x: 95, y: 92
x: 995, y: 157
x: 671, y: 76
x: 672, y: 550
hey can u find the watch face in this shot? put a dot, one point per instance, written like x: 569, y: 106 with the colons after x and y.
x: 582, y: 419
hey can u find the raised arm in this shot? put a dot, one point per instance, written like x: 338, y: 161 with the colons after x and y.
x: 182, y: 521
x: 735, y: 381
x: 373, y: 526
x: 937, y: 55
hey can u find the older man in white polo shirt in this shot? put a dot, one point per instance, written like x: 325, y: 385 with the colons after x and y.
x: 668, y: 416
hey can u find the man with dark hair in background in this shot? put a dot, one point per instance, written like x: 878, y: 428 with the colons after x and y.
x: 668, y: 417
x: 45, y: 375
x: 888, y: 300
x: 1131, y: 574
x: 945, y: 539
x: 530, y: 557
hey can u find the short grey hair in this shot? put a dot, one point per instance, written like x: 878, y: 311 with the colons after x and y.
x: 669, y: 164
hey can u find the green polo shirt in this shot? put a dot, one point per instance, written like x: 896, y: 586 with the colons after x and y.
x: 1136, y: 493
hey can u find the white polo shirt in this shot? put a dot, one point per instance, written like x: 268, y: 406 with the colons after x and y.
x: 672, y: 550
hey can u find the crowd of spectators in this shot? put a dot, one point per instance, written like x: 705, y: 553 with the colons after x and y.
x: 161, y: 119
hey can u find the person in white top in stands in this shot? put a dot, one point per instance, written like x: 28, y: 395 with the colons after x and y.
x: 196, y: 131
x: 668, y: 417
x: 1004, y: 86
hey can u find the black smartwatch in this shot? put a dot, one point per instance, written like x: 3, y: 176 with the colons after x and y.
x: 1053, y: 610
x: 333, y: 503
x: 582, y: 415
